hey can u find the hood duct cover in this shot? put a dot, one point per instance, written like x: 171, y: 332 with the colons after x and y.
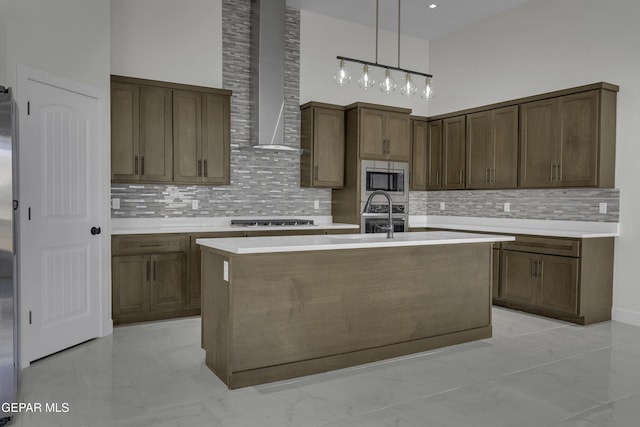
x: 267, y: 74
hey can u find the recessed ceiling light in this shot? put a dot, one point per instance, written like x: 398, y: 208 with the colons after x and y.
x: 433, y: 6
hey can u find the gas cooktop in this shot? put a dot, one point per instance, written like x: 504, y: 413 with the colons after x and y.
x: 269, y: 222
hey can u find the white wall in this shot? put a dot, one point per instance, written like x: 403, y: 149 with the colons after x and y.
x: 323, y: 38
x: 3, y: 43
x: 68, y: 38
x: 546, y: 45
x: 169, y: 40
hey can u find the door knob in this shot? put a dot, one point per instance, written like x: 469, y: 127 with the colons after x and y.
x: 95, y: 230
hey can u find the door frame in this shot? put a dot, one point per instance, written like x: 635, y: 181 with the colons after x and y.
x: 24, y: 74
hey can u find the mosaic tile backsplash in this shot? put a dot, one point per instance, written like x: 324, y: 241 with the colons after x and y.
x: 263, y: 182
x: 581, y: 204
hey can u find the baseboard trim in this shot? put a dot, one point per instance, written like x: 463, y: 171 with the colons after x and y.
x: 623, y: 315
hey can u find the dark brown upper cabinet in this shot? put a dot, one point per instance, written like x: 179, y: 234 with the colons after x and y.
x: 492, y: 148
x: 568, y: 141
x: 200, y: 138
x: 434, y: 155
x: 419, y: 138
x: 169, y: 132
x: 140, y: 133
x: 385, y: 134
x: 453, y: 153
x: 322, y: 144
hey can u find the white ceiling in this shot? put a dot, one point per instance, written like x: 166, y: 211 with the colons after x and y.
x: 417, y: 19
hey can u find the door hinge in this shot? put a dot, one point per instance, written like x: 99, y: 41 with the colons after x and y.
x: 30, y: 319
x: 28, y: 108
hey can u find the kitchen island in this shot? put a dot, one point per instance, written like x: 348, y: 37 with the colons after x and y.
x: 281, y: 307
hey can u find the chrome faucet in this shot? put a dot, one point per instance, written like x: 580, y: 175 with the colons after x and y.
x: 367, y: 205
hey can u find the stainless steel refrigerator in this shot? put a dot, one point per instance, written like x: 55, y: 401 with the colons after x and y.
x: 9, y: 369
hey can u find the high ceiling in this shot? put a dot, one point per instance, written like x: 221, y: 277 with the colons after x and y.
x: 417, y: 19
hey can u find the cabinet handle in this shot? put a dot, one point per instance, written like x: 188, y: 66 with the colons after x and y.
x: 460, y: 177
x: 148, y: 269
x: 206, y: 170
x: 142, y: 165
x: 315, y: 172
x: 135, y: 167
x: 492, y: 175
x: 533, y: 268
x: 486, y: 176
x: 539, y: 269
x: 437, y: 178
x: 557, y: 171
x: 155, y: 271
x: 384, y: 146
x: 199, y: 167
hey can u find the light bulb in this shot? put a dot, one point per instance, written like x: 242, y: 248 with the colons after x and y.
x: 388, y: 85
x: 427, y: 92
x: 342, y: 77
x: 409, y: 88
x: 365, y: 81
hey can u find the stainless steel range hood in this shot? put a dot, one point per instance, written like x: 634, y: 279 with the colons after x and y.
x: 267, y: 74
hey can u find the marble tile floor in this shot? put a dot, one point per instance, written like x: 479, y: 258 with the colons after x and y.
x: 533, y: 372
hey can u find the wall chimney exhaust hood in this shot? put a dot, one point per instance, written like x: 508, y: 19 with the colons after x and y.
x: 267, y: 74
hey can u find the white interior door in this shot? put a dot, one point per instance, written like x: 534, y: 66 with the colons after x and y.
x: 60, y: 203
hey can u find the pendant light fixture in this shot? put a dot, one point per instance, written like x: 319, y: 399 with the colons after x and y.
x: 387, y: 84
x: 427, y: 92
x: 366, y: 80
x: 342, y: 77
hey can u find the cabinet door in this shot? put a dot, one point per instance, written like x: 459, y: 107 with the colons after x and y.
x: 418, y: 155
x: 453, y: 153
x: 328, y: 148
x: 372, y: 134
x: 578, y: 143
x: 156, y: 157
x: 398, y: 136
x: 517, y: 282
x: 187, y: 138
x: 168, y: 282
x: 480, y: 150
x: 505, y: 140
x: 215, y: 139
x: 537, y: 143
x: 558, y: 288
x: 434, y: 155
x: 125, y: 132
x: 495, y: 271
x: 130, y: 284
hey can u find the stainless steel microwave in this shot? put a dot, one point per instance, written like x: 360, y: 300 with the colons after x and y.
x: 392, y: 177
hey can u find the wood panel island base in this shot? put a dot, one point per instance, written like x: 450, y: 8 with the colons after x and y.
x: 280, y: 307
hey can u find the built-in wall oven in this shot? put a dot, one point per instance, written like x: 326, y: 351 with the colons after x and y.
x: 392, y: 178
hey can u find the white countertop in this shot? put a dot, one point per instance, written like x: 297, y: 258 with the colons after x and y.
x: 575, y: 229
x: 213, y: 225
x: 255, y: 245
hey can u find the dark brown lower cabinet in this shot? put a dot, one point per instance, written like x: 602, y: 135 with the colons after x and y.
x: 150, y: 278
x: 547, y: 281
x: 568, y: 279
x: 495, y: 272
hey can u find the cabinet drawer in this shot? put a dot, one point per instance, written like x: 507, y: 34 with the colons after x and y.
x: 544, y: 245
x: 151, y: 243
